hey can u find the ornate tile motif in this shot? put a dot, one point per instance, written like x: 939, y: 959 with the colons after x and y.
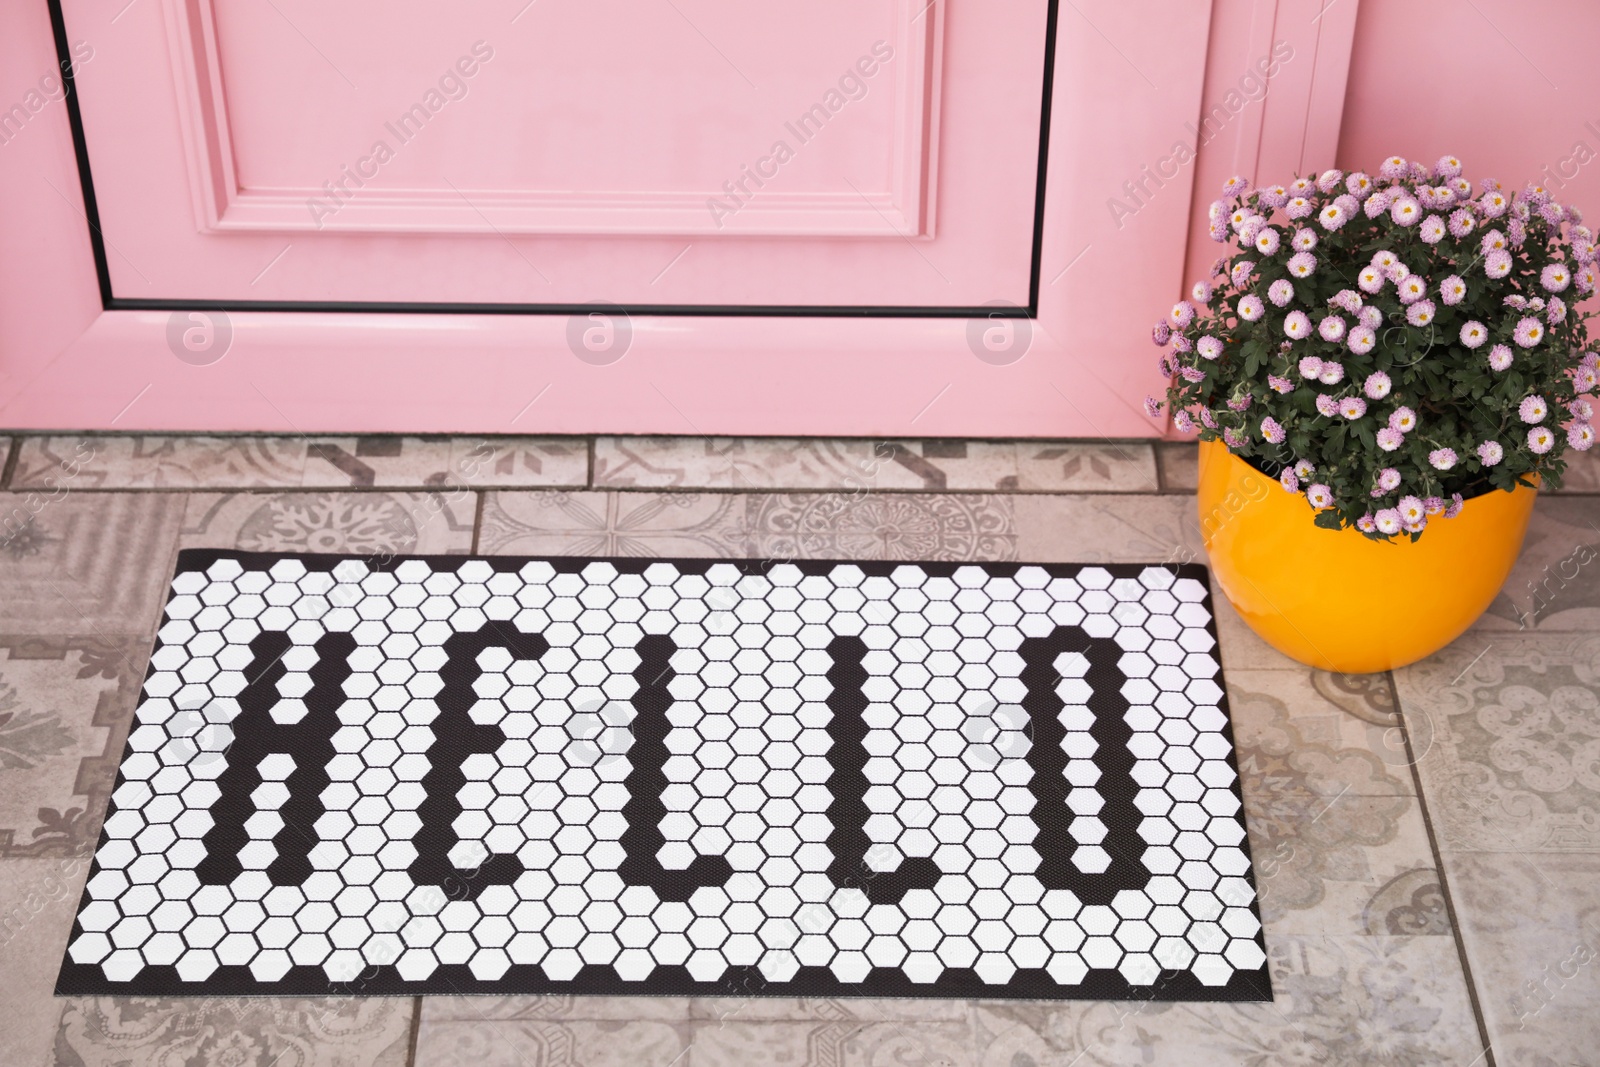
x: 1556, y: 582
x: 765, y: 463
x: 356, y: 523
x: 65, y: 560
x: 65, y: 705
x: 614, y: 524
x: 339, y: 1031
x: 37, y: 898
x: 1180, y: 466
x: 158, y: 462
x: 1506, y: 734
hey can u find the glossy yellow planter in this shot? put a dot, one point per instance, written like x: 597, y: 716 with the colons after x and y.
x: 1332, y: 598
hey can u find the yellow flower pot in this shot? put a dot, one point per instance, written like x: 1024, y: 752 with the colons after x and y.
x: 1332, y: 598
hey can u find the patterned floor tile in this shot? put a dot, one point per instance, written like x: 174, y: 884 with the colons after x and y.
x: 228, y: 1031
x: 65, y: 706
x: 553, y: 1008
x: 158, y: 462
x: 37, y: 899
x: 1506, y: 735
x: 65, y: 561
x: 851, y: 1043
x: 768, y: 526
x: 1339, y: 1000
x: 1069, y: 466
x: 1556, y: 582
x: 568, y: 1042
x: 356, y: 523
x: 826, y: 1009
x: 1180, y: 466
x: 1531, y: 925
x: 1583, y: 473
x: 416, y: 462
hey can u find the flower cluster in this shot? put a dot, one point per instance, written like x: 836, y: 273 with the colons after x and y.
x: 1389, y: 345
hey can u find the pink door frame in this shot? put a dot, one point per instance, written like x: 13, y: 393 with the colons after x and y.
x: 67, y: 363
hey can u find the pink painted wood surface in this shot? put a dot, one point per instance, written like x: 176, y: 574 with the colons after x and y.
x: 1126, y: 81
x: 611, y: 118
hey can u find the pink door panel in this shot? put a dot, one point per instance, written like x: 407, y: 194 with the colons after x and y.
x: 852, y: 153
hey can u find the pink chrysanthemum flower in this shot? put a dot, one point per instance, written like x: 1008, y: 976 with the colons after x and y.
x: 1493, y: 204
x: 1181, y: 343
x: 1182, y: 421
x: 1375, y: 205
x: 1394, y: 169
x: 1581, y: 409
x: 1555, y: 278
x: 1331, y: 328
x: 1516, y: 300
x: 1347, y: 299
x: 1456, y: 504
x: 1333, y: 217
x: 1370, y: 279
x: 1161, y: 333
x: 1217, y: 209
x: 1152, y: 406
x: 1390, y: 438
x: 1319, y: 496
x: 1251, y: 308
x: 1474, y: 334
x: 1589, y: 359
x: 1357, y: 183
x: 1280, y: 292
x: 1432, y: 230
x: 1377, y: 385
x: 1327, y: 405
x: 1388, y: 479
x: 1553, y: 213
x: 1240, y: 216
x: 1540, y: 440
x: 1332, y: 372
x: 1361, y: 339
x: 1387, y: 521
x: 1433, y: 504
x: 1298, y: 207
x: 1528, y: 333
x: 1297, y: 325
x: 1403, y: 419
x: 1412, y: 288
x: 1191, y: 374
x: 1208, y: 347
x: 1267, y: 241
x: 1447, y: 167
x: 1500, y: 357
x: 1398, y: 273
x: 1412, y: 509
x: 1274, y: 196
x: 1272, y: 431
x: 1166, y: 366
x: 1240, y: 403
x: 1329, y: 180
x: 1236, y: 185
x: 1311, y: 367
x: 1442, y: 459
x: 1385, y: 260
x: 1497, y: 264
x: 1201, y: 293
x: 1302, y: 264
x: 1352, y: 407
x: 1406, y: 211
x: 1587, y: 280
x: 1516, y: 232
x: 1303, y: 184
x: 1251, y: 229
x: 1279, y: 384
x: 1305, y: 468
x: 1241, y: 272
x: 1461, y: 223
x: 1182, y: 314
x: 1533, y: 409
x: 1289, y: 480
x: 1493, y: 241
x: 1555, y: 311
x: 1462, y: 187
x: 1370, y: 317
x: 1535, y: 194
x: 1366, y: 524
x: 1304, y: 240
x: 1421, y: 313
x: 1217, y: 231
x: 1580, y: 435
x: 1452, y: 290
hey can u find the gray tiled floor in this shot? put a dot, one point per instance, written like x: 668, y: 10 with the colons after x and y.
x: 1427, y: 845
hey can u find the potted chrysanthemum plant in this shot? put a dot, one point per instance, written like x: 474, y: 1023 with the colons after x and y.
x: 1402, y: 353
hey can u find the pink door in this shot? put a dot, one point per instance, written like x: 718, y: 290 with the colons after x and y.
x: 679, y: 216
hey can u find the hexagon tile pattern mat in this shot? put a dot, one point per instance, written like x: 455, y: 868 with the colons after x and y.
x: 568, y: 775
